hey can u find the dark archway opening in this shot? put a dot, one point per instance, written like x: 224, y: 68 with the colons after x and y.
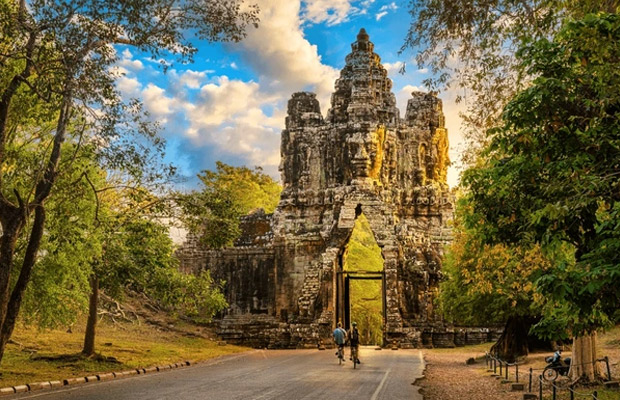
x: 360, y: 285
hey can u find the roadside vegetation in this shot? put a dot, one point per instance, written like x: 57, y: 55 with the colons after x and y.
x: 34, y: 356
x: 537, y: 220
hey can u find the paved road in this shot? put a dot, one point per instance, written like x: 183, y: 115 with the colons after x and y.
x: 267, y: 374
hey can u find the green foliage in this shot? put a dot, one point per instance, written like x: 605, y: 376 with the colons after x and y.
x: 196, y: 296
x: 227, y: 194
x: 58, y: 289
x: 550, y: 174
x: 139, y: 256
x: 487, y: 284
x: 363, y: 254
x: 470, y: 47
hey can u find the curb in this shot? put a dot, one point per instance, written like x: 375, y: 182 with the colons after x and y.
x: 49, y: 385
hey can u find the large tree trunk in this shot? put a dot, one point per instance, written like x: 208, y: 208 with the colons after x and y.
x: 91, y: 324
x: 13, y: 220
x: 513, y: 341
x: 12, y: 225
x: 17, y: 295
x: 583, y: 363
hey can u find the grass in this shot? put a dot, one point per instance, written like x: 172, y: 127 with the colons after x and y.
x: 35, y: 356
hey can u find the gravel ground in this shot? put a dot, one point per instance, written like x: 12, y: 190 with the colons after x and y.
x: 447, y: 377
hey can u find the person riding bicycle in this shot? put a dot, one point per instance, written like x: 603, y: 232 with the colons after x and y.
x: 340, y: 337
x: 354, y: 341
x: 557, y: 356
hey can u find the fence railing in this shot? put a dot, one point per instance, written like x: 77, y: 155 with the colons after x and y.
x: 555, y: 388
x: 493, y: 362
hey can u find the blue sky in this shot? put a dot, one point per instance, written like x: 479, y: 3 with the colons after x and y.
x: 230, y: 104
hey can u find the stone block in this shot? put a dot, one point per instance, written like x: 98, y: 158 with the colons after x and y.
x: 530, y: 396
x: 6, y: 391
x: 56, y: 384
x: 92, y: 378
x: 106, y: 377
x: 74, y: 381
x: 515, y: 387
x: 21, y: 388
x: 39, y: 386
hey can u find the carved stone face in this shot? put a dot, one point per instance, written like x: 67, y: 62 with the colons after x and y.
x: 357, y: 146
x: 366, y: 153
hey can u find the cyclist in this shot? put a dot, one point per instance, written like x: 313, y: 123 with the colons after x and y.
x: 354, y: 341
x: 340, y: 337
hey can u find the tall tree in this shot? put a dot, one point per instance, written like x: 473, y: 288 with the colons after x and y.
x: 491, y: 284
x: 551, y: 174
x: 58, y: 54
x: 228, y: 193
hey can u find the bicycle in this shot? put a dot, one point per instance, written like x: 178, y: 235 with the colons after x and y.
x: 340, y: 354
x: 354, y: 356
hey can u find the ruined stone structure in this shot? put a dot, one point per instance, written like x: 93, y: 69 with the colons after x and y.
x: 284, y: 278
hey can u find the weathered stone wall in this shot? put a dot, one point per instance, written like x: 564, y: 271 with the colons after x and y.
x: 284, y: 277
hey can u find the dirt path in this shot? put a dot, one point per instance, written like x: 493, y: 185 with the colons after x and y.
x: 447, y: 377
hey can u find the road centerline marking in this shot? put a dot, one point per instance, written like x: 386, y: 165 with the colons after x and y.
x: 376, y: 393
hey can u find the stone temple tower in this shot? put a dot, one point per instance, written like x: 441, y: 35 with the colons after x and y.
x: 285, y: 280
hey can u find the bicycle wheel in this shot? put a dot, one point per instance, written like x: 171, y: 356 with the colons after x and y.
x: 550, y: 374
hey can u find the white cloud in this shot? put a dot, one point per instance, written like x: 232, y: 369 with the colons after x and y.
x: 193, y: 79
x: 156, y: 102
x: 331, y: 12
x: 423, y: 70
x: 385, y: 9
x: 129, y: 63
x: 129, y: 87
x: 392, y: 6
x: 393, y: 67
x: 233, y: 65
x: 283, y: 57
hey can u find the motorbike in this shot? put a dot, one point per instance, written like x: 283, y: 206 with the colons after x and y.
x: 556, y: 368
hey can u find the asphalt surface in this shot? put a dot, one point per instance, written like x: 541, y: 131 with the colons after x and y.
x: 266, y: 374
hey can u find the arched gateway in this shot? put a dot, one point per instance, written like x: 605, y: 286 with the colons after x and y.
x: 284, y: 278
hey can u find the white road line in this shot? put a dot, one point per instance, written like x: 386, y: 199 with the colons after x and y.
x: 376, y: 393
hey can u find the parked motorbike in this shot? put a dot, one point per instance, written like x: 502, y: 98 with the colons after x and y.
x: 556, y: 368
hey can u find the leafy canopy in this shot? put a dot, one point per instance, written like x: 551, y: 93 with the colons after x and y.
x: 487, y: 284
x: 227, y: 194
x: 470, y: 47
x: 550, y: 174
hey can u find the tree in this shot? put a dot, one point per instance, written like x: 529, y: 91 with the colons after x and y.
x: 227, y: 194
x: 551, y: 175
x: 491, y: 284
x: 138, y: 256
x: 471, y: 45
x: 58, y: 55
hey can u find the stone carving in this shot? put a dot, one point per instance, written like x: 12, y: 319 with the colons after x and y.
x: 285, y: 284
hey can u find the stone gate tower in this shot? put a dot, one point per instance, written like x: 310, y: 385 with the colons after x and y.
x: 284, y: 276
